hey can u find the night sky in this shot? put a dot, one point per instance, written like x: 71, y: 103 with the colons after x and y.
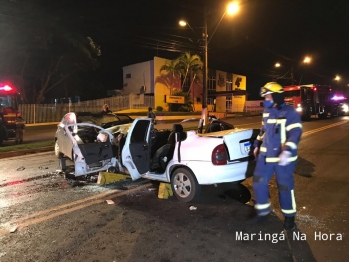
x: 250, y: 43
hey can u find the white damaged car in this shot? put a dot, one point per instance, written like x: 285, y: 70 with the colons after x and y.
x: 187, y: 160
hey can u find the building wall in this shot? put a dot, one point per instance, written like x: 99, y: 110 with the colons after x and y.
x: 140, y: 75
x: 238, y: 102
x: 221, y: 78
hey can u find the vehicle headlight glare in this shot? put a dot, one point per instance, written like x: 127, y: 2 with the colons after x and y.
x: 345, y: 108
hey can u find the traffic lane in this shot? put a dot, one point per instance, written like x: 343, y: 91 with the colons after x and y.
x: 141, y: 227
x: 20, y: 168
x: 322, y: 190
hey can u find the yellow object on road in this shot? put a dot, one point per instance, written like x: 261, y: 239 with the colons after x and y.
x: 165, y: 191
x: 107, y: 178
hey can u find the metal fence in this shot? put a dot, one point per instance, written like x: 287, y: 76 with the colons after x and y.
x: 43, y: 113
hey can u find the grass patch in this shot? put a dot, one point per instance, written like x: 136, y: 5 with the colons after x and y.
x: 26, y: 146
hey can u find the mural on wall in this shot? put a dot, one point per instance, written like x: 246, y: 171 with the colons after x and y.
x: 238, y: 102
x: 174, y: 73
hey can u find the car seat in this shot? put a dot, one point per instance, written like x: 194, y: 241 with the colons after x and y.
x: 165, y: 153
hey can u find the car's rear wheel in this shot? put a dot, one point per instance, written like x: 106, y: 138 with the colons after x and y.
x: 184, y: 185
x: 57, y: 152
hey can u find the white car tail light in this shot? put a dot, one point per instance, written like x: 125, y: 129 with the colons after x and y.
x: 219, y: 155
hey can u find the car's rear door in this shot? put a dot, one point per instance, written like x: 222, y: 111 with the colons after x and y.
x: 136, y: 152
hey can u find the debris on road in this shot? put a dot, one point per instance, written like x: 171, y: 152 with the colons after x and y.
x: 13, y: 229
x: 110, y: 202
x: 21, y: 168
x: 192, y: 208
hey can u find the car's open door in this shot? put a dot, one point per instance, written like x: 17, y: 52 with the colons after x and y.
x: 136, y: 152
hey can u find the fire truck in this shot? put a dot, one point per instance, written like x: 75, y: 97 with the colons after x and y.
x: 315, y: 100
x: 9, y: 98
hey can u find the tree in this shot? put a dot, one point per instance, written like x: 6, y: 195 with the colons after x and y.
x: 39, y: 51
x: 190, y: 65
x: 185, y: 65
x: 172, y: 75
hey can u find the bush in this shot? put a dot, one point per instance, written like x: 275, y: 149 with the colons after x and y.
x: 159, y: 108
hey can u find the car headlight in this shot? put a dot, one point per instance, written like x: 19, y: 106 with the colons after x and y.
x: 345, y: 108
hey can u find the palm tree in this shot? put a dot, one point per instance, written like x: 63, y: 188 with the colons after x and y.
x: 173, y: 72
x: 189, y: 64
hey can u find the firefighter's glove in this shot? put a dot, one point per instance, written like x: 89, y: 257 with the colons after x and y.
x: 284, y: 158
x: 256, y: 151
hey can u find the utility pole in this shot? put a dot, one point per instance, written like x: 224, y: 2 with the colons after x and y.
x: 204, y: 113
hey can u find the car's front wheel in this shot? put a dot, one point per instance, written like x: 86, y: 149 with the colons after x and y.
x: 184, y: 185
x: 57, y: 152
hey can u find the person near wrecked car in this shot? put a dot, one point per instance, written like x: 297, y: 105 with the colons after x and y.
x: 19, y: 130
x: 106, y: 109
x: 3, y: 129
x: 276, y: 152
x: 151, y: 114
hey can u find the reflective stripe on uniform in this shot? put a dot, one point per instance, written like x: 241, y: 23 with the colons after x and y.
x: 265, y: 114
x: 282, y: 123
x: 276, y: 121
x: 291, y: 145
x: 260, y: 138
x: 261, y: 206
x: 263, y: 149
x: 297, y: 125
x: 293, y: 210
x: 277, y: 159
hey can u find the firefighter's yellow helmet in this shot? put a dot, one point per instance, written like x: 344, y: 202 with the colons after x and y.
x: 271, y: 87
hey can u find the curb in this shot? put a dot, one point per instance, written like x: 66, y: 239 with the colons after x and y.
x: 26, y: 151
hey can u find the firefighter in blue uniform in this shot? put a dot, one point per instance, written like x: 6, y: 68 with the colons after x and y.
x: 276, y: 152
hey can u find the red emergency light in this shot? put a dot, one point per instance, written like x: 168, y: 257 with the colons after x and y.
x: 6, y: 88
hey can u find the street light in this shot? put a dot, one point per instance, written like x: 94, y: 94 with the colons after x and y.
x: 306, y: 60
x: 231, y: 9
x: 337, y: 78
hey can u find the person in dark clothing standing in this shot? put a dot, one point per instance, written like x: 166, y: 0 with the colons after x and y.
x: 20, y: 125
x: 276, y: 150
x: 3, y: 130
x: 151, y: 114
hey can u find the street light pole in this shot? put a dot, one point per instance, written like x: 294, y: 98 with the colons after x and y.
x: 204, y: 113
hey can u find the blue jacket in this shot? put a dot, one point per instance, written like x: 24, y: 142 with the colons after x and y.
x: 281, y: 130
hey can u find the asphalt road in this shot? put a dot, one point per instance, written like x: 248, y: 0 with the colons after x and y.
x: 55, y: 219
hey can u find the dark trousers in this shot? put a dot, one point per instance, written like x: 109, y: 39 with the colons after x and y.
x: 19, y: 135
x: 284, y: 177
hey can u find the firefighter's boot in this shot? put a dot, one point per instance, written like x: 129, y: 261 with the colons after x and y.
x: 289, y: 223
